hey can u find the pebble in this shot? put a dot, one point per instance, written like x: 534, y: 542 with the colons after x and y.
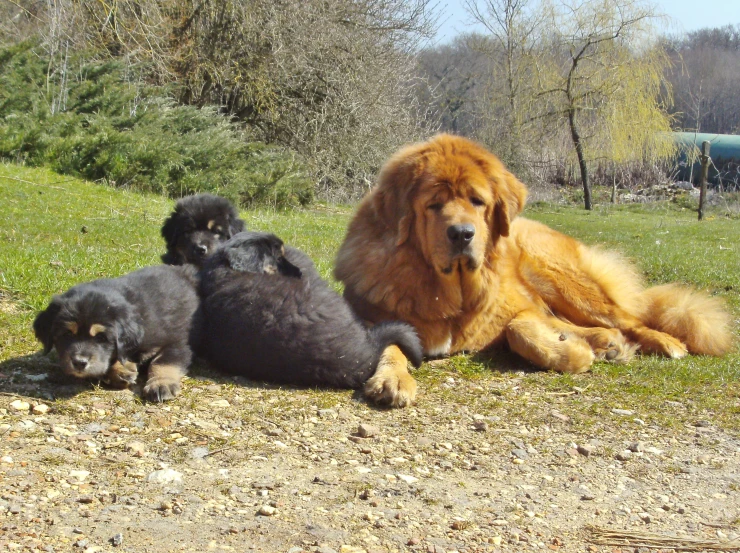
x: 20, y: 405
x: 585, y: 450
x: 519, y: 454
x: 636, y: 447
x: 366, y: 431
x: 138, y: 449
x: 624, y: 455
x: 624, y: 412
x: 325, y: 549
x: 267, y: 511
x: 40, y: 409
x: 79, y: 475
x: 164, y: 476
x: 7, y: 459
x: 116, y: 540
x: 480, y: 426
x: 220, y: 403
x: 407, y: 478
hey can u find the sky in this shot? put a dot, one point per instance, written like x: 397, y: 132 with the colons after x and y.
x: 686, y: 15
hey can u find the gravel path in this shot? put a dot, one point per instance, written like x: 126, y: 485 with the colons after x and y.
x: 493, y: 464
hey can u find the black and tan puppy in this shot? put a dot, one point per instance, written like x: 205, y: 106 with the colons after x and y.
x: 197, y: 226
x: 268, y: 315
x: 109, y: 328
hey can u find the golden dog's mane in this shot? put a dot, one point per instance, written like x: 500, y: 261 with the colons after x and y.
x: 393, y: 277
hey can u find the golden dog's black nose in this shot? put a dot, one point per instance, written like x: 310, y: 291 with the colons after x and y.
x: 461, y: 235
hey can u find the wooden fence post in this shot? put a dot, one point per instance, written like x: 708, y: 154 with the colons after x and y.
x: 704, y: 174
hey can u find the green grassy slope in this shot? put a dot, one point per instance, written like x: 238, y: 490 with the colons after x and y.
x: 59, y: 231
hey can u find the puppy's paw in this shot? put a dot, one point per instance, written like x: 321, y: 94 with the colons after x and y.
x: 163, y: 382
x: 161, y: 389
x: 390, y: 386
x: 122, y: 375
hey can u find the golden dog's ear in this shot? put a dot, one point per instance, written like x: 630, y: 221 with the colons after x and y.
x: 393, y: 200
x: 511, y: 196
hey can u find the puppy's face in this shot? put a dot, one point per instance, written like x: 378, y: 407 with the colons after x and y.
x: 84, y: 351
x: 89, y: 330
x: 260, y: 253
x: 195, y: 244
x: 197, y: 226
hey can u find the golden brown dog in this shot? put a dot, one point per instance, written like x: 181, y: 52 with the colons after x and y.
x: 437, y: 243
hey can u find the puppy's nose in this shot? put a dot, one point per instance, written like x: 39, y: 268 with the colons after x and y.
x: 79, y: 363
x: 461, y: 235
x: 201, y: 249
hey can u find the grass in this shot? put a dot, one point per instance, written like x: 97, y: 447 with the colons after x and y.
x: 60, y: 231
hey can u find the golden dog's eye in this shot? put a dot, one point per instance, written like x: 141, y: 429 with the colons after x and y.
x: 435, y: 207
x: 477, y: 201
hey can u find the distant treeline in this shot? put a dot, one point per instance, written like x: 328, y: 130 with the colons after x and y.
x: 282, y: 102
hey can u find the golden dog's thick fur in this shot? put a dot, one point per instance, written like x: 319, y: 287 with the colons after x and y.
x: 437, y: 243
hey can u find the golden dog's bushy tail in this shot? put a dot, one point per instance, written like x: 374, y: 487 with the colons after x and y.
x: 700, y: 321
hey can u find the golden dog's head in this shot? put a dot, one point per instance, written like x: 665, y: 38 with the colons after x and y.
x: 453, y: 197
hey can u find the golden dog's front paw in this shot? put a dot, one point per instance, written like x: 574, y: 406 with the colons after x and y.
x: 388, y: 386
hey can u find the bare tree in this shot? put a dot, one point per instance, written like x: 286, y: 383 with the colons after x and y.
x: 604, y: 81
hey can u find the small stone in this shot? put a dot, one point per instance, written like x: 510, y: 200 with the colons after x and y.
x: 325, y: 549
x: 351, y: 549
x: 327, y: 413
x: 164, y: 476
x: 636, y: 447
x: 7, y: 459
x: 413, y: 541
x: 81, y: 543
x: 588, y: 497
x: 519, y: 454
x: 267, y: 510
x: 407, y: 478
x: 138, y: 449
x: 495, y: 540
x: 585, y: 450
x: 86, y: 499
x: 116, y: 540
x: 623, y: 412
x: 366, y: 431
x: 79, y: 476
x: 480, y: 426
x: 220, y: 403
x: 20, y: 405
x: 40, y: 409
x: 624, y: 455
x: 699, y: 424
x: 645, y: 517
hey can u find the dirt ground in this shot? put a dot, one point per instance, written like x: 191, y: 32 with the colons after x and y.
x: 492, y: 464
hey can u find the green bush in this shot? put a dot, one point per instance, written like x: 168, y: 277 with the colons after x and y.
x: 103, y: 127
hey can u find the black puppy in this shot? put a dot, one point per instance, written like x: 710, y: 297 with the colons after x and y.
x: 268, y: 315
x: 103, y: 329
x: 198, y: 224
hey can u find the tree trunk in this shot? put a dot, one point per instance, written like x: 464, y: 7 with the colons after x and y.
x: 581, y: 159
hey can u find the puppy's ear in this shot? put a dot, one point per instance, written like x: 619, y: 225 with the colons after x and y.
x: 397, y: 183
x: 129, y: 333
x: 286, y: 268
x: 171, y: 230
x: 44, y: 322
x: 236, y: 226
x: 511, y: 195
x: 245, y: 258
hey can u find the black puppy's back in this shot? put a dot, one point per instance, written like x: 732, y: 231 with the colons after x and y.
x: 290, y: 329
